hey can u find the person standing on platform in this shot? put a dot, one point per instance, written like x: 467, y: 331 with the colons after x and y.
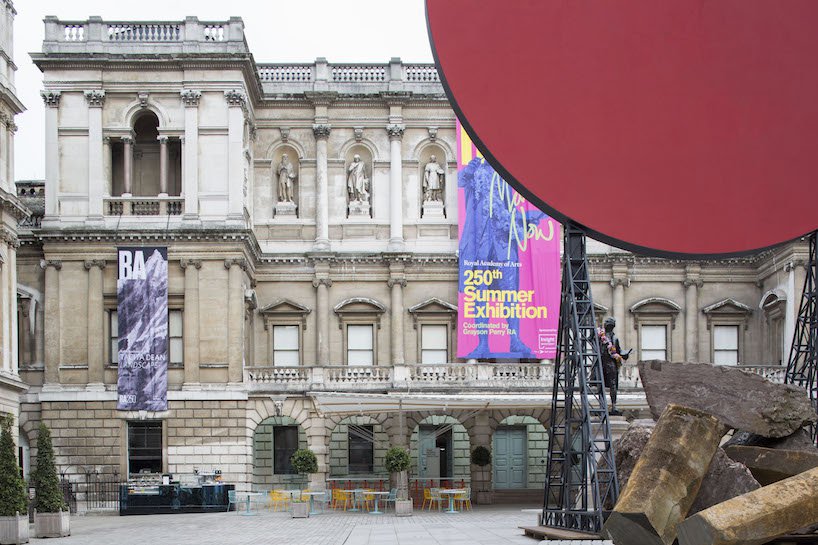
x: 612, y: 358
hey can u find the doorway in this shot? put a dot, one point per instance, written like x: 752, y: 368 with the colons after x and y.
x: 510, y: 464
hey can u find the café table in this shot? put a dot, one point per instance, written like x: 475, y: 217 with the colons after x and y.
x: 312, y: 494
x: 377, y: 493
x: 452, y: 492
x: 250, y: 495
x: 354, y: 492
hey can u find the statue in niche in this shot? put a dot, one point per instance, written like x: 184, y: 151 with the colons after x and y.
x: 286, y: 180
x: 357, y: 182
x: 433, y: 179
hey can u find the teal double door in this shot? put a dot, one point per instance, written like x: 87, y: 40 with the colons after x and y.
x: 510, y: 458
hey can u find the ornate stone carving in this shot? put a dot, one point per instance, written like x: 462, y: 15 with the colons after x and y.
x: 9, y: 237
x: 240, y: 261
x: 89, y: 263
x: 434, y: 180
x: 698, y: 282
x: 51, y: 99
x: 357, y: 187
x: 432, y: 133
x: 802, y: 263
x: 285, y: 134
x: 142, y: 96
x: 287, y: 175
x: 625, y: 282
x: 395, y: 131
x: 319, y: 281
x: 190, y: 97
x: 195, y: 263
x: 359, y: 133
x: 12, y: 127
x: 95, y: 98
x: 321, y: 130
x: 397, y: 281
x: 46, y: 263
x: 5, y: 119
x: 235, y: 98
x: 127, y: 139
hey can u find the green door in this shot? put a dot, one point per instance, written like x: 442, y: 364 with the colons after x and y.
x: 510, y: 458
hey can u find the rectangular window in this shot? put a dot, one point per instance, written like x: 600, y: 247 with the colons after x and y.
x: 725, y: 344
x: 360, y: 345
x: 144, y: 447
x: 434, y: 344
x: 654, y: 342
x: 176, y: 342
x: 361, y: 451
x: 285, y: 443
x: 113, y: 337
x: 285, y: 346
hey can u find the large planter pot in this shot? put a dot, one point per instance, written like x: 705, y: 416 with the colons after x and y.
x: 300, y: 510
x: 52, y: 524
x: 403, y: 508
x: 485, y: 497
x: 14, y: 529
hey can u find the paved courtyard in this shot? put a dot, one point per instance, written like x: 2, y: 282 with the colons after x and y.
x: 483, y: 526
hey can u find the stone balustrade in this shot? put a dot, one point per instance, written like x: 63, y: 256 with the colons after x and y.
x: 143, y: 206
x: 774, y: 373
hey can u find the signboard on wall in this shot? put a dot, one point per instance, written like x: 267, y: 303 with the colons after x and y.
x: 142, y: 312
x: 509, y: 256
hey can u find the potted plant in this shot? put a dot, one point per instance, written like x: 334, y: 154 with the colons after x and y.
x: 304, y: 462
x: 51, y: 516
x: 13, y: 497
x: 481, y: 457
x: 397, y: 463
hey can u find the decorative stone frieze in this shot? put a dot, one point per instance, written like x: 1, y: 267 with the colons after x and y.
x: 321, y: 131
x: 190, y: 97
x: 51, y: 99
x: 395, y: 131
x: 95, y: 98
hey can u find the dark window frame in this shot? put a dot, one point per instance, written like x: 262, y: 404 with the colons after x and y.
x: 283, y: 449
x: 143, y: 451
x: 364, y: 450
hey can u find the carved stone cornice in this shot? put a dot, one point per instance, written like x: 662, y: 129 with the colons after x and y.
x: 322, y: 281
x: 46, y: 263
x: 235, y: 98
x: 95, y: 98
x: 321, y: 98
x: 398, y: 281
x: 89, y: 263
x: 395, y: 98
x: 321, y: 130
x: 190, y: 97
x: 51, y: 99
x: 395, y: 131
x: 237, y: 261
x: 196, y: 263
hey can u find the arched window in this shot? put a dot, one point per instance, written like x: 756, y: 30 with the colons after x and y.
x: 147, y: 175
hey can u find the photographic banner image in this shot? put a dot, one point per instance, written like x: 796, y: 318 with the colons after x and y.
x: 509, y: 253
x: 142, y: 313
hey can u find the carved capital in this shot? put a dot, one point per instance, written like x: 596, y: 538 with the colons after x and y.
x: 46, y: 263
x: 624, y: 282
x: 395, y: 131
x: 89, y: 263
x: 795, y: 263
x: 5, y: 119
x: 190, y: 97
x: 95, y: 98
x: 163, y: 139
x: 51, y: 99
x: 319, y: 281
x: 432, y: 133
x: 698, y: 282
x: 321, y: 130
x: 235, y: 98
x: 9, y: 237
x: 195, y: 263
x: 126, y: 139
x: 142, y: 97
x: 397, y: 281
x: 12, y: 127
x: 236, y: 261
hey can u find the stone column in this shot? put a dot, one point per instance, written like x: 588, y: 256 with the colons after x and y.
x: 127, y: 165
x: 322, y: 283
x: 5, y: 182
x: 10, y: 166
x: 619, y: 282
x: 796, y: 273
x: 317, y: 435
x: 396, y: 282
x: 106, y: 166
x: 236, y: 107
x: 395, y: 132
x: 235, y: 318
x: 96, y: 325
x: 692, y: 284
x: 190, y: 156
x: 52, y: 150
x: 39, y: 339
x: 191, y: 323
x: 5, y: 308
x: 53, y: 347
x: 163, y: 166
x: 96, y: 176
x: 321, y: 132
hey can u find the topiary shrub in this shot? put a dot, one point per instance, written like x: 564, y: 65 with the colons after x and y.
x: 397, y: 460
x: 481, y: 456
x: 304, y: 461
x: 47, y: 493
x: 13, y: 497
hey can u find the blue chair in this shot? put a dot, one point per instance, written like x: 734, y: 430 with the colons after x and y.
x: 391, y: 498
x: 231, y: 500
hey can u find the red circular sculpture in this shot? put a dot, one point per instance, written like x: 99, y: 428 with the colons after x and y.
x: 672, y: 128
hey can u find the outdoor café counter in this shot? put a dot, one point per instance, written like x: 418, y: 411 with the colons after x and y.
x: 173, y: 498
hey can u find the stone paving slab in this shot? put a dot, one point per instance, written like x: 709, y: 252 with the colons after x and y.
x: 487, y: 525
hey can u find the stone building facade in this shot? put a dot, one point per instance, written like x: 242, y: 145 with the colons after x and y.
x: 330, y: 274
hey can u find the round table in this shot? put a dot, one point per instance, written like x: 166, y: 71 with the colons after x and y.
x: 249, y: 495
x: 353, y: 491
x: 376, y: 494
x: 452, y: 492
x: 312, y: 495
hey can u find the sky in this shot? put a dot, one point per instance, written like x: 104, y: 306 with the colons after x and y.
x: 276, y: 31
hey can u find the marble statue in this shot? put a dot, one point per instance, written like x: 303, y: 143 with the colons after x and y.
x: 433, y: 179
x: 357, y: 182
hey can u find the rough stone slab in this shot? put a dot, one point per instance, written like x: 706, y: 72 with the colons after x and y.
x: 725, y: 478
x: 758, y: 516
x: 800, y: 440
x: 666, y: 478
x: 741, y: 400
x: 772, y: 465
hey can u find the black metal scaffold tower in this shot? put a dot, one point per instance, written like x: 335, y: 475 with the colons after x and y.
x: 581, y: 481
x: 802, y: 365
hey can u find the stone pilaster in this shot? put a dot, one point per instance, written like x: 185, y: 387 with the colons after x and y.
x: 396, y: 282
x: 322, y: 283
x: 692, y: 284
x: 235, y: 318
x: 96, y: 325
x: 619, y: 281
x: 96, y: 174
x: 321, y: 133
x: 52, y: 150
x: 190, y: 156
x: 191, y: 322
x: 127, y: 165
x: 395, y: 132
x: 163, y: 165
x: 236, y: 107
x: 53, y: 347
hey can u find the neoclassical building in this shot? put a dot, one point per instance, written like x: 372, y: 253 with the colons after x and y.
x: 312, y: 270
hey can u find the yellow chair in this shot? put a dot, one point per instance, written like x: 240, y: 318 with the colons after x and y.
x: 281, y: 499
x: 427, y: 496
x: 339, y: 496
x: 369, y: 499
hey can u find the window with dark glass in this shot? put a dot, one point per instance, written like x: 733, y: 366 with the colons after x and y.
x: 285, y: 443
x: 361, y: 451
x: 144, y: 447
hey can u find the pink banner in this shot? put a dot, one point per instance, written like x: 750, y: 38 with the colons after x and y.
x: 509, y: 287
